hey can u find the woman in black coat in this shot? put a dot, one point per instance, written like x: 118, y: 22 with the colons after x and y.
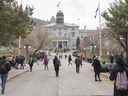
x: 56, y: 63
x: 97, y: 68
x: 119, y: 67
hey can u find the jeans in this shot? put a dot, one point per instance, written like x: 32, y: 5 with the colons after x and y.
x: 3, y: 82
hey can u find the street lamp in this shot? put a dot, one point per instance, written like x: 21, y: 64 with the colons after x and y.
x: 27, y: 47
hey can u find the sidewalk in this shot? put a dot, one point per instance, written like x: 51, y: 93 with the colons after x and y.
x: 16, y: 72
x: 83, y: 84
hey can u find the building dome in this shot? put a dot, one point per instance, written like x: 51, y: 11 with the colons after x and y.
x: 60, y: 17
x: 53, y: 20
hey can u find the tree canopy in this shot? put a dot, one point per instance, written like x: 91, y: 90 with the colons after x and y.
x: 15, y: 21
x: 117, y: 21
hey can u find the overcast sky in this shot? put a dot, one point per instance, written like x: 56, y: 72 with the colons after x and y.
x: 81, y: 12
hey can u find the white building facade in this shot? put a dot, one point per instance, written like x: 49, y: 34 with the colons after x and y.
x: 64, y: 34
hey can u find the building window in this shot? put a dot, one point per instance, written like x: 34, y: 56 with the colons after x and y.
x: 60, y: 33
x: 65, y: 28
x: 73, y: 34
x: 73, y: 28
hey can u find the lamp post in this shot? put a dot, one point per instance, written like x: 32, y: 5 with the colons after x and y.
x: 27, y: 47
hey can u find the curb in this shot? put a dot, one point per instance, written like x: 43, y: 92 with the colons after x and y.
x: 11, y: 78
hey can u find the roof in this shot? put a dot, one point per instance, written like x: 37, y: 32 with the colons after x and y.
x: 61, y: 25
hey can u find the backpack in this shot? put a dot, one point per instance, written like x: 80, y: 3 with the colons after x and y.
x: 122, y: 81
x: 3, y: 68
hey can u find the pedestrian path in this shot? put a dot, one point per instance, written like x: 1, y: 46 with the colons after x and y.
x: 44, y: 83
x: 82, y: 84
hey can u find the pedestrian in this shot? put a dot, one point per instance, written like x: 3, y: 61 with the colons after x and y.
x: 81, y: 58
x: 78, y: 63
x: 65, y: 56
x: 69, y: 60
x: 4, y: 69
x: 119, y: 75
x: 56, y: 63
x: 45, y: 62
x: 111, y: 57
x: 20, y: 60
x: 31, y: 62
x: 97, y: 68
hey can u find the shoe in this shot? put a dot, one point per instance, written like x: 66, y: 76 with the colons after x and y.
x: 100, y: 80
x: 95, y: 80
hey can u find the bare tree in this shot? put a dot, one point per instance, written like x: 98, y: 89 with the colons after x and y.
x: 39, y: 38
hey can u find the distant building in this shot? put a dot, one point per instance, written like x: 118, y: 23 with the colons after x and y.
x: 64, y: 34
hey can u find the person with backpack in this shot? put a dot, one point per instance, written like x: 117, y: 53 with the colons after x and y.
x: 119, y: 75
x: 57, y: 64
x: 5, y: 67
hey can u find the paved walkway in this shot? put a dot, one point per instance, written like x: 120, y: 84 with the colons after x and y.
x: 83, y: 84
x: 44, y: 83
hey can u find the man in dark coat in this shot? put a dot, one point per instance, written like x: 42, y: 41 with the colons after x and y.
x: 97, y: 68
x: 4, y: 69
x: 69, y: 60
x: 119, y: 67
x: 78, y: 63
x: 56, y: 63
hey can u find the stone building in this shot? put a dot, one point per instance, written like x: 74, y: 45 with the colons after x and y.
x: 64, y: 34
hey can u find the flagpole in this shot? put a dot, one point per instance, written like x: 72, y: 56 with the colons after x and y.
x: 100, y: 32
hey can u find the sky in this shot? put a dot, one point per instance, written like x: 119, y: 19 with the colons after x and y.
x: 80, y: 12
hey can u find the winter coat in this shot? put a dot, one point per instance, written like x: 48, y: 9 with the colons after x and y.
x: 45, y: 60
x: 78, y: 62
x: 56, y: 63
x: 97, y: 66
x: 5, y: 67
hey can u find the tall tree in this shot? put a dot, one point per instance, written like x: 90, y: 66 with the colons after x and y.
x: 117, y: 20
x: 14, y: 21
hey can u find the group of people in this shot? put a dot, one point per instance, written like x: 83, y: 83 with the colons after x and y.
x: 57, y: 63
x: 118, y: 74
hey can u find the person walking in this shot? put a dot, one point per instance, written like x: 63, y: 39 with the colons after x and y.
x: 97, y: 68
x: 78, y: 63
x: 5, y: 67
x: 111, y: 57
x: 65, y: 56
x: 56, y: 63
x: 31, y: 62
x: 69, y: 60
x: 20, y: 60
x: 45, y: 62
x: 119, y: 75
